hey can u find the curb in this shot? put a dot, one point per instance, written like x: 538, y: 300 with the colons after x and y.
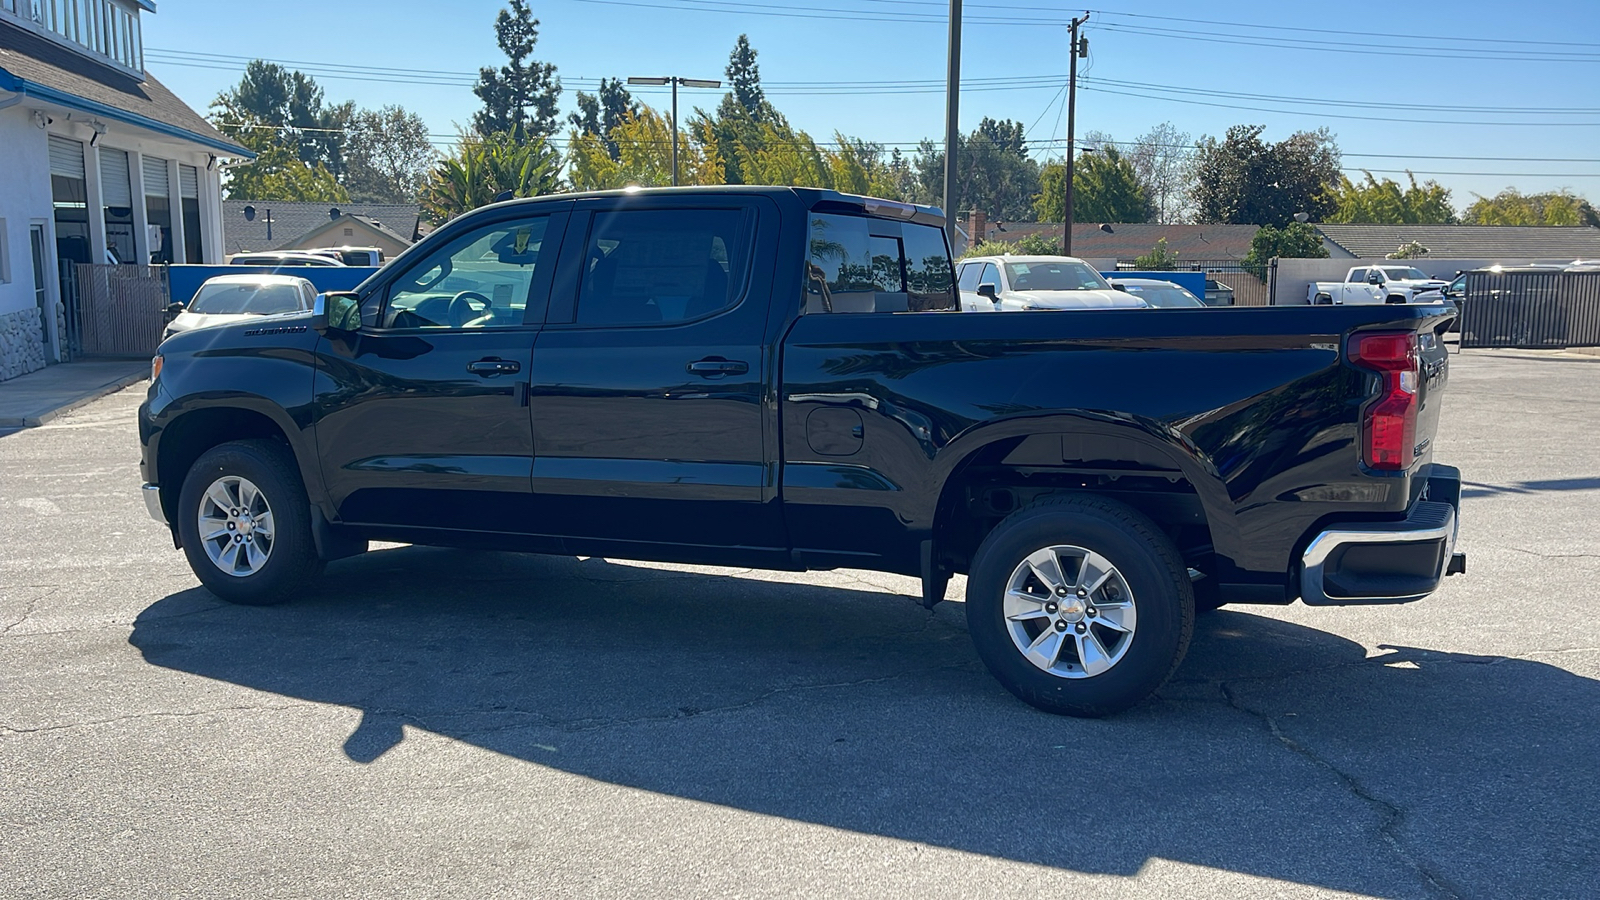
x: 87, y: 397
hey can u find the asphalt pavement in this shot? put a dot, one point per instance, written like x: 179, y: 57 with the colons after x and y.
x: 444, y: 723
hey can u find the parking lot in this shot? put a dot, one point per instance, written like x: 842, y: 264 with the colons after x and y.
x: 474, y: 724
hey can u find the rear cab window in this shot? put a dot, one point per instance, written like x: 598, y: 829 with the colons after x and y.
x: 863, y: 264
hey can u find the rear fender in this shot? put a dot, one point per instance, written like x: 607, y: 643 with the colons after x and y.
x: 1089, y: 439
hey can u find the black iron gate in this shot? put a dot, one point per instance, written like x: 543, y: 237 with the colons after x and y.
x: 1532, y: 310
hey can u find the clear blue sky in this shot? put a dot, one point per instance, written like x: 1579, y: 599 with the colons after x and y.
x: 1456, y: 78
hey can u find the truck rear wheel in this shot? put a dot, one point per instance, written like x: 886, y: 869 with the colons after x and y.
x: 245, y: 523
x: 1080, y: 605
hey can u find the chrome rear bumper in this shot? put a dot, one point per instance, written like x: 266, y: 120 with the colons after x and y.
x: 1388, y: 562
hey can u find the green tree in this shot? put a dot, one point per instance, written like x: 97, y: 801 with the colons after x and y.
x: 278, y: 174
x: 644, y: 156
x: 1158, y: 259
x: 273, y: 106
x: 521, y: 97
x: 1297, y: 240
x: 1107, y: 190
x: 736, y: 129
x: 388, y: 156
x: 993, y: 171
x: 744, y: 83
x: 1037, y: 245
x: 1243, y: 180
x: 481, y: 168
x: 1512, y: 207
x: 1374, y: 202
x: 599, y: 113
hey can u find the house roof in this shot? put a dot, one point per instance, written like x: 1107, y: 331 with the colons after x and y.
x: 293, y: 220
x: 1133, y: 240
x: 1468, y: 241
x: 47, y: 71
x: 366, y: 222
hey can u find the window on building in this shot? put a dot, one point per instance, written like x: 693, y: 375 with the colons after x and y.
x: 107, y: 28
x: 69, y: 195
x: 158, y: 209
x: 189, y: 204
x: 116, y: 192
x: 863, y: 265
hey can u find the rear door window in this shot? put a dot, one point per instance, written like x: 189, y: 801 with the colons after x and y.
x: 863, y: 265
x: 656, y: 267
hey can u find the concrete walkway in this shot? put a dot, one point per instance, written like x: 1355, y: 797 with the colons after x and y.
x: 36, y: 398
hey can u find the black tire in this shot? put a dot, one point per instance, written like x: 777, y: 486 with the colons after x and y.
x: 1148, y: 563
x: 292, y: 563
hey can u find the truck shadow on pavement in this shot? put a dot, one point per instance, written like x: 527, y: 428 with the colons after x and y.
x: 1278, y: 750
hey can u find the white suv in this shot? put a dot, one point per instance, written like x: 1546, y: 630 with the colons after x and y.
x: 1005, y: 283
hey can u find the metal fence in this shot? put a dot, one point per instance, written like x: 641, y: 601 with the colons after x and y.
x: 1538, y: 310
x: 113, y: 310
x: 1249, y: 283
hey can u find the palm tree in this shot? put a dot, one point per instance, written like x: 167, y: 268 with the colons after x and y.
x: 483, y: 168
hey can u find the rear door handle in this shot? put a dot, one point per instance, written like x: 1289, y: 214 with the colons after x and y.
x: 713, y: 366
x: 494, y: 366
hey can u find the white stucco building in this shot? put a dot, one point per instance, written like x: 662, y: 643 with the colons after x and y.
x: 99, y: 162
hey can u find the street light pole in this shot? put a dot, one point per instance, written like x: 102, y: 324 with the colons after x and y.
x: 1072, y: 117
x: 675, y: 81
x: 952, y: 133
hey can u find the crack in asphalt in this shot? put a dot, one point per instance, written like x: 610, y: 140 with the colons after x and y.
x: 1557, y: 555
x: 581, y: 726
x: 1392, y: 814
x: 33, y: 607
x: 159, y: 714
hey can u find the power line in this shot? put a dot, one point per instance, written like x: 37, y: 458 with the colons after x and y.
x: 1039, y: 18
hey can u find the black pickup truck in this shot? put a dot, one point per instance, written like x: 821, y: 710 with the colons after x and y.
x: 780, y: 378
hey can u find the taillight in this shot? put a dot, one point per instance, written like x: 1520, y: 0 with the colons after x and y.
x: 1389, y: 421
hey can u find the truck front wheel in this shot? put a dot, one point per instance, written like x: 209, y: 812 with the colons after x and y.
x: 1080, y: 605
x: 245, y: 523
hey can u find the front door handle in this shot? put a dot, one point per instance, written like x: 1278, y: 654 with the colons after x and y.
x: 494, y: 365
x: 713, y: 366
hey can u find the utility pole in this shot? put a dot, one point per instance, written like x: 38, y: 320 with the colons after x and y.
x: 1078, y: 49
x: 952, y: 132
x: 675, y: 80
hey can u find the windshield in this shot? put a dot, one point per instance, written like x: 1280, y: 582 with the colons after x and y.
x: 1165, y: 296
x: 246, y: 299
x: 1054, y: 276
x: 1404, y: 274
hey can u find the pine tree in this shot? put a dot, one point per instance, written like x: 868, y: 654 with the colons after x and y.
x: 599, y: 113
x: 744, y: 81
x: 520, y: 98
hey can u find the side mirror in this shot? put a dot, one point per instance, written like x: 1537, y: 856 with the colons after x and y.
x: 1120, y: 287
x: 1374, y: 278
x: 174, y: 308
x: 336, y: 311
x: 987, y: 290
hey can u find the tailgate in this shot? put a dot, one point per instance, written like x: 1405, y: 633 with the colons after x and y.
x: 1432, y: 377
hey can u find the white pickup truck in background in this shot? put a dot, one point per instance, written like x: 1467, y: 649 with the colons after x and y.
x: 1376, y: 284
